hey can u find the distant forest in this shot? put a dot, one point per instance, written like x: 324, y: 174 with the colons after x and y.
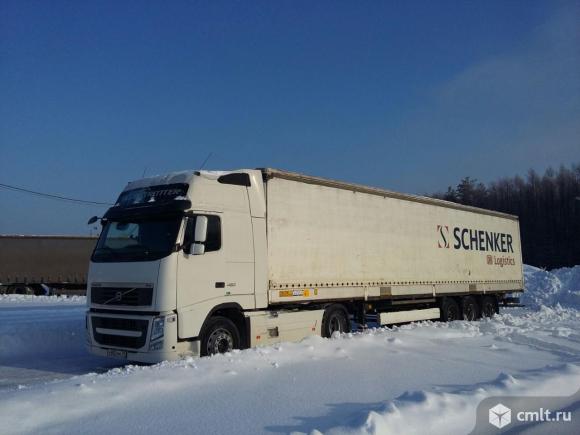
x: 548, y: 207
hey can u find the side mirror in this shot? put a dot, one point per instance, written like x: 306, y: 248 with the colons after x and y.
x: 200, y: 234
x: 197, y: 249
x: 92, y: 220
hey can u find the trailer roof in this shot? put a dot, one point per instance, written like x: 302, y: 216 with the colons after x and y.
x: 294, y: 176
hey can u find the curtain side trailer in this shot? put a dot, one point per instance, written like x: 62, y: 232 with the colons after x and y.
x: 35, y: 264
x: 201, y: 262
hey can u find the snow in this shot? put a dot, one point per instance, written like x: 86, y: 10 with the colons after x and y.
x: 380, y: 381
x: 10, y: 299
x: 42, y: 339
x: 40, y: 329
x: 453, y: 412
x: 552, y: 288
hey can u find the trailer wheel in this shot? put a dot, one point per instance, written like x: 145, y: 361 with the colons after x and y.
x: 488, y: 306
x: 469, y: 308
x: 219, y: 336
x: 450, y: 310
x: 335, y: 319
x: 20, y: 289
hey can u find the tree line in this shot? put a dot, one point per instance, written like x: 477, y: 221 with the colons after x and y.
x: 548, y: 207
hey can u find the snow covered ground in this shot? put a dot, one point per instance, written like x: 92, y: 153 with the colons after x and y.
x: 419, y: 378
x: 42, y: 339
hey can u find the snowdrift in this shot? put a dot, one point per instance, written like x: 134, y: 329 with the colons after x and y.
x: 36, y: 300
x: 552, y: 288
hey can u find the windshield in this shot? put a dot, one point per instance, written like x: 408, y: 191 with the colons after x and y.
x: 137, y: 239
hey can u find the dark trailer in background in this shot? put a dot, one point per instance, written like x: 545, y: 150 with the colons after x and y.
x: 44, y: 264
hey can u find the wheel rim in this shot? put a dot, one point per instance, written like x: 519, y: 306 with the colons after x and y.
x: 335, y: 324
x: 469, y: 312
x: 452, y: 313
x: 220, y: 341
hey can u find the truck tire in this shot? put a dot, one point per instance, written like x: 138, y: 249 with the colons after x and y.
x: 335, y: 319
x: 450, y: 310
x: 488, y: 306
x: 220, y: 335
x: 21, y: 289
x: 469, y: 308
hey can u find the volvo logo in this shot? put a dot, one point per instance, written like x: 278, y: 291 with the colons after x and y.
x: 119, y: 296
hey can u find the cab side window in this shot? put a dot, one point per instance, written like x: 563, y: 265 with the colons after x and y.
x: 213, y: 242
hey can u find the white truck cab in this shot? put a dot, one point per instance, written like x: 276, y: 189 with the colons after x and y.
x: 174, y: 249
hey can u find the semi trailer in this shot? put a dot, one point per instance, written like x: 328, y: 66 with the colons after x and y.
x: 38, y: 264
x: 203, y: 262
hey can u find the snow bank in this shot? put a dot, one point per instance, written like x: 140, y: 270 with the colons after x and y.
x: 445, y: 413
x: 32, y: 299
x: 552, y: 288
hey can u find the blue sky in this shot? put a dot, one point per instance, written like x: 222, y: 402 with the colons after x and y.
x: 409, y: 96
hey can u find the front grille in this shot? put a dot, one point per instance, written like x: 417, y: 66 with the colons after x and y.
x: 122, y: 324
x: 141, y: 296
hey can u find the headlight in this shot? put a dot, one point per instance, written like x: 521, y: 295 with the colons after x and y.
x: 157, y: 328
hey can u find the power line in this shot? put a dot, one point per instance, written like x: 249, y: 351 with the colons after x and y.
x: 205, y: 161
x: 51, y: 196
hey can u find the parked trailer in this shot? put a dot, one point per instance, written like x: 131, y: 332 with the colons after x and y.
x: 201, y: 262
x: 39, y: 264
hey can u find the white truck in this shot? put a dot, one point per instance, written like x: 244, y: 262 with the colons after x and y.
x: 203, y: 262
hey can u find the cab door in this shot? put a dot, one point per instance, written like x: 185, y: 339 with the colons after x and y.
x: 201, y: 277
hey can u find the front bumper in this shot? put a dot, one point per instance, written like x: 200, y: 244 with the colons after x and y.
x: 151, y: 357
x: 112, y: 334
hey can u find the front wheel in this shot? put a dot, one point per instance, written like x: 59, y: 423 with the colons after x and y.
x: 220, y: 336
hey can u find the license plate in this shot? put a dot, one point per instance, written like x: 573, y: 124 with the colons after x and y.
x: 113, y: 353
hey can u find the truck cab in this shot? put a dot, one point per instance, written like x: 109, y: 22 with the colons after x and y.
x: 175, y: 250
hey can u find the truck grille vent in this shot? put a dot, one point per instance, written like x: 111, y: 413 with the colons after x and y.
x: 120, y: 324
x: 122, y: 296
